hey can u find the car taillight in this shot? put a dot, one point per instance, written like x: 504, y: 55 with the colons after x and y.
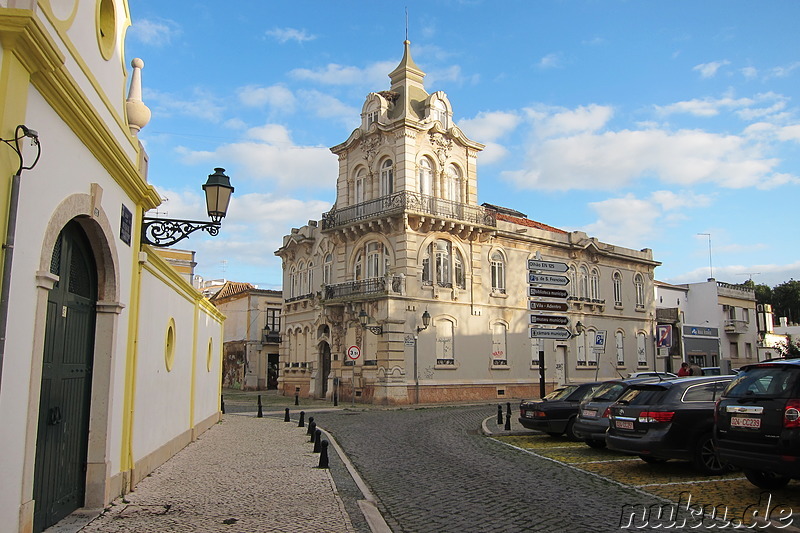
x: 656, y: 416
x: 607, y: 412
x: 539, y: 414
x: 791, y: 415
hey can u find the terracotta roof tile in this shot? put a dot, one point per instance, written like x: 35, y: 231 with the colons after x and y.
x: 528, y: 222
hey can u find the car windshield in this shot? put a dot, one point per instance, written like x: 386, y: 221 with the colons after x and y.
x: 560, y: 394
x: 765, y: 382
x: 608, y: 392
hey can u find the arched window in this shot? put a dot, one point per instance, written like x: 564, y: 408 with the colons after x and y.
x: 443, y: 265
x: 387, y: 177
x: 499, y: 344
x: 372, y: 261
x: 638, y: 283
x: 310, y: 273
x: 445, y: 354
x: 620, y: 348
x: 371, y: 114
x: 498, y: 272
x: 439, y: 112
x: 617, y: 289
x: 572, y: 286
x: 584, y: 282
x: 293, y: 282
x: 361, y: 186
x: 594, y: 284
x: 302, y: 279
x: 591, y: 356
x: 426, y: 177
x: 452, y: 184
x: 327, y: 269
x: 641, y: 349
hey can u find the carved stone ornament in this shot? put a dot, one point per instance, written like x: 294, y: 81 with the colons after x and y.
x: 442, y: 145
x: 370, y: 147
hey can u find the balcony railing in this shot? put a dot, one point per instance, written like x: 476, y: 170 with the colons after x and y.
x: 409, y: 202
x: 735, y: 326
x: 365, y: 287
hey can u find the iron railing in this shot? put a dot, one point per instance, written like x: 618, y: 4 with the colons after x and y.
x: 409, y: 202
x: 365, y: 287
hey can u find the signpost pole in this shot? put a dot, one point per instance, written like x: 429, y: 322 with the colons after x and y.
x: 541, y: 374
x: 416, y: 373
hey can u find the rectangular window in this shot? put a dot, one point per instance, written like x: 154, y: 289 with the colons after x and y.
x: 444, y: 343
x: 581, y: 352
x: 748, y: 350
x: 274, y: 319
x: 641, y: 350
x: 499, y: 345
x: 734, y: 350
x: 620, y: 349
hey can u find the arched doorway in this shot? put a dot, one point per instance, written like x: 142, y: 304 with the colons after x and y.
x: 59, y: 483
x: 325, y: 356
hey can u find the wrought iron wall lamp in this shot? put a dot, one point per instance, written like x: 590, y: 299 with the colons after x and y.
x: 166, y: 232
x: 363, y: 317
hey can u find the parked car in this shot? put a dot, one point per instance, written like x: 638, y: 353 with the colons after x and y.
x: 758, y: 423
x: 646, y: 374
x: 671, y: 419
x: 592, y: 421
x: 555, y: 414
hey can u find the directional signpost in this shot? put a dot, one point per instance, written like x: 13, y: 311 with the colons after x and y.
x: 547, y: 293
x: 548, y: 306
x: 544, y: 333
x: 553, y: 320
x: 547, y: 279
x: 547, y: 266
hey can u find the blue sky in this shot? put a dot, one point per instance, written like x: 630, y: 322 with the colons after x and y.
x: 645, y: 124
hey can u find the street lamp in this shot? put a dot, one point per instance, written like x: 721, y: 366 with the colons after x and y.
x: 363, y: 317
x: 426, y: 320
x: 166, y: 232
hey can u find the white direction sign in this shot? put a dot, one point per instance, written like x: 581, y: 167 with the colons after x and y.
x: 549, y: 266
x: 354, y: 352
x: 545, y: 333
x: 547, y: 279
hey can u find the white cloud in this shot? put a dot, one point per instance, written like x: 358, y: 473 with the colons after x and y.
x: 490, y: 125
x: 155, y: 32
x: 709, y: 70
x: 750, y: 73
x: 203, y: 105
x: 373, y: 75
x: 550, y: 61
x: 626, y: 221
x: 550, y: 122
x: 283, y: 35
x: 760, y: 105
x: 270, y: 155
x: 324, y: 105
x: 275, y: 96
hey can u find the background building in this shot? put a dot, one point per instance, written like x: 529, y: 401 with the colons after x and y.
x: 110, y: 359
x: 252, y: 335
x: 407, y: 239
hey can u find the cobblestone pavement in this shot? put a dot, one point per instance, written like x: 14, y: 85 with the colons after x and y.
x: 432, y: 471
x: 246, y: 474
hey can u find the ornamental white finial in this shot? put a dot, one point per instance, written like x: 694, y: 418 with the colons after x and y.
x: 138, y: 113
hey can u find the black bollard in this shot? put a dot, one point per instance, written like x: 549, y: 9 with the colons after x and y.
x: 508, y: 408
x: 286, y: 415
x: 323, y: 454
x: 302, y: 422
x: 310, y: 421
x: 296, y: 399
x: 508, y: 421
x: 499, y: 415
x: 312, y: 426
x: 317, y: 437
x: 222, y: 404
x: 260, y: 410
x: 335, y: 399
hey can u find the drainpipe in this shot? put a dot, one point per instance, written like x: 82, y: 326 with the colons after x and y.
x: 8, y: 246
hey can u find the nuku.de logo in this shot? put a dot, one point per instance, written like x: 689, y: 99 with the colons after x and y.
x: 687, y: 515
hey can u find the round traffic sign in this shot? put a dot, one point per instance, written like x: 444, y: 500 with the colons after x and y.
x: 353, y: 352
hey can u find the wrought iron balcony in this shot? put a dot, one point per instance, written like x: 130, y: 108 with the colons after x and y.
x: 409, y: 202
x: 365, y: 288
x: 736, y: 326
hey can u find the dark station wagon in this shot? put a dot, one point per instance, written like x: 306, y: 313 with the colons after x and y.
x: 671, y: 419
x: 555, y: 414
x: 758, y: 423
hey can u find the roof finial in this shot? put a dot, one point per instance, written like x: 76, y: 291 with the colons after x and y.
x: 406, y: 23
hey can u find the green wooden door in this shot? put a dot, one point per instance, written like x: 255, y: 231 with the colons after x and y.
x: 60, y: 472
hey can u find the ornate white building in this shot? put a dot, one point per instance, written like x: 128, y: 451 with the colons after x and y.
x: 406, y: 238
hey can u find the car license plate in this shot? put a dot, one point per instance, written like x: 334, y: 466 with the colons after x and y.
x: 589, y: 413
x: 624, y: 424
x: 529, y: 414
x: 745, y: 422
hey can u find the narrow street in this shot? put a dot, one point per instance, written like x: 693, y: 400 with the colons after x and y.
x: 432, y: 471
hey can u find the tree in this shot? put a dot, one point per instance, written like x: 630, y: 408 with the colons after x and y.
x: 763, y: 293
x: 786, y: 300
x: 788, y: 348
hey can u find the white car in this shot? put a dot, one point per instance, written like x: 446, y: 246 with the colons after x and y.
x: 662, y: 375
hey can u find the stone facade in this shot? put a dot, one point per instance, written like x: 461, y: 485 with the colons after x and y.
x: 406, y: 236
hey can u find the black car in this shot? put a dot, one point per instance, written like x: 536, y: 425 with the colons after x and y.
x: 555, y: 414
x: 758, y: 423
x: 592, y: 421
x: 671, y: 419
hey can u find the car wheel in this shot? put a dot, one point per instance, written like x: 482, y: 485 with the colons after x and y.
x: 592, y: 443
x: 570, y: 431
x: 766, y: 480
x: 705, y: 457
x: 652, y: 460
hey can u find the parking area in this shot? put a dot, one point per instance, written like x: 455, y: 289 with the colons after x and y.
x: 675, y: 481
